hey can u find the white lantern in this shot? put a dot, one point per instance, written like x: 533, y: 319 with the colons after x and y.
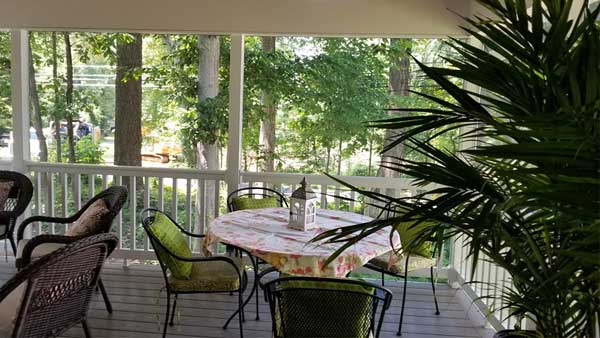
x: 303, y: 208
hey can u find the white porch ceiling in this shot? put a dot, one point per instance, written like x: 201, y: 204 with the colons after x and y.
x: 386, y: 18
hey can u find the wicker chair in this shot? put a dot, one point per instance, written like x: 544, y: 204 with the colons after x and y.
x: 53, y: 294
x: 29, y: 249
x: 253, y: 193
x: 214, y: 274
x: 18, y: 199
x: 326, y: 307
x: 405, y: 262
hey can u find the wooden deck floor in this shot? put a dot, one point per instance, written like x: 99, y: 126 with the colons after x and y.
x: 134, y: 292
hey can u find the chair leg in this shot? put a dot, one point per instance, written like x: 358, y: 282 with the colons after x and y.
x: 105, y: 296
x: 171, y: 323
x: 382, y: 279
x: 399, y: 333
x: 241, y: 312
x: 255, y: 286
x: 86, y: 329
x: 13, y: 245
x: 167, y: 315
x: 437, y: 309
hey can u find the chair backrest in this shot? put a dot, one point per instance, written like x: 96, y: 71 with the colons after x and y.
x: 326, y: 307
x: 410, y: 231
x: 255, y: 192
x: 59, y: 287
x: 19, y: 195
x: 162, y: 254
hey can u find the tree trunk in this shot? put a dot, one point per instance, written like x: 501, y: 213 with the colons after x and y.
x: 399, y: 85
x: 208, y: 87
x: 36, y: 110
x: 128, y: 104
x: 267, y: 123
x: 56, y: 86
x: 69, y: 97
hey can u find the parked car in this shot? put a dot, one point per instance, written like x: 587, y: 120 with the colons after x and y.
x: 4, y: 139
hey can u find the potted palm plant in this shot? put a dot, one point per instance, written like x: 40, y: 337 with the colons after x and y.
x: 527, y: 196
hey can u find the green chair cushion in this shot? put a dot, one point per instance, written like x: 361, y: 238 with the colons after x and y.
x: 409, y: 233
x: 243, y: 203
x: 326, y: 285
x: 397, y: 266
x: 169, y: 235
x: 213, y: 276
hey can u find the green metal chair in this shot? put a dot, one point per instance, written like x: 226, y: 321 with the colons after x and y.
x: 214, y: 274
x: 326, y: 307
x: 399, y: 264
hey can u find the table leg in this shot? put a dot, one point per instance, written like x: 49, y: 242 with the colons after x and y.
x: 252, y: 291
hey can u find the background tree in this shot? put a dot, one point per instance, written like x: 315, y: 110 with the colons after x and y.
x: 69, y: 97
x: 268, y: 120
x: 5, y: 108
x: 36, y: 115
x: 128, y: 100
x: 399, y: 84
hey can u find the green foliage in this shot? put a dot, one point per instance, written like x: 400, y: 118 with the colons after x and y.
x: 5, y: 108
x: 86, y: 151
x: 528, y: 196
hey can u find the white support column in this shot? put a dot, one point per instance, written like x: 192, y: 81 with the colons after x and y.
x: 19, y: 65
x: 236, y: 111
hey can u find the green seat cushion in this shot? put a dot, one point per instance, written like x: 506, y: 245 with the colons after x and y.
x: 213, y: 276
x: 398, y: 263
x: 324, y: 312
x: 169, y: 235
x: 327, y: 285
x: 243, y: 203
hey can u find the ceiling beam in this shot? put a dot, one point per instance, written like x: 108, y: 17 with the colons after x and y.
x: 384, y: 18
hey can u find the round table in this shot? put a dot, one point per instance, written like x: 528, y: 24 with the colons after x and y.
x: 265, y: 234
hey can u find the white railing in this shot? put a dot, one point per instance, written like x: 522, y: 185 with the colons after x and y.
x: 327, y: 189
x: 483, y: 285
x: 188, y: 195
x: 5, y: 165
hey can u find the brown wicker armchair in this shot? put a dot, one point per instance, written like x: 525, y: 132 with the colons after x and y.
x: 53, y: 294
x: 18, y: 189
x: 30, y: 249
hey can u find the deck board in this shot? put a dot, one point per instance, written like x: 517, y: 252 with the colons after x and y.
x: 138, y: 308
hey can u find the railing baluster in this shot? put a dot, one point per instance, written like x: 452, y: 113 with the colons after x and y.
x: 217, y: 185
x: 323, y: 196
x: 38, y: 199
x: 202, y: 209
x: 174, y: 200
x: 132, y: 211
x: 51, y: 199
x: 104, y: 182
x: 188, y: 209
x: 118, y: 180
x: 91, y: 186
x: 77, y: 197
x: 338, y: 192
x: 161, y: 197
x: 65, y: 194
x: 352, y: 203
x: 147, y: 191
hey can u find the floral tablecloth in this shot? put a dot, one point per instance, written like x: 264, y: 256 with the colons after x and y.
x: 265, y: 234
